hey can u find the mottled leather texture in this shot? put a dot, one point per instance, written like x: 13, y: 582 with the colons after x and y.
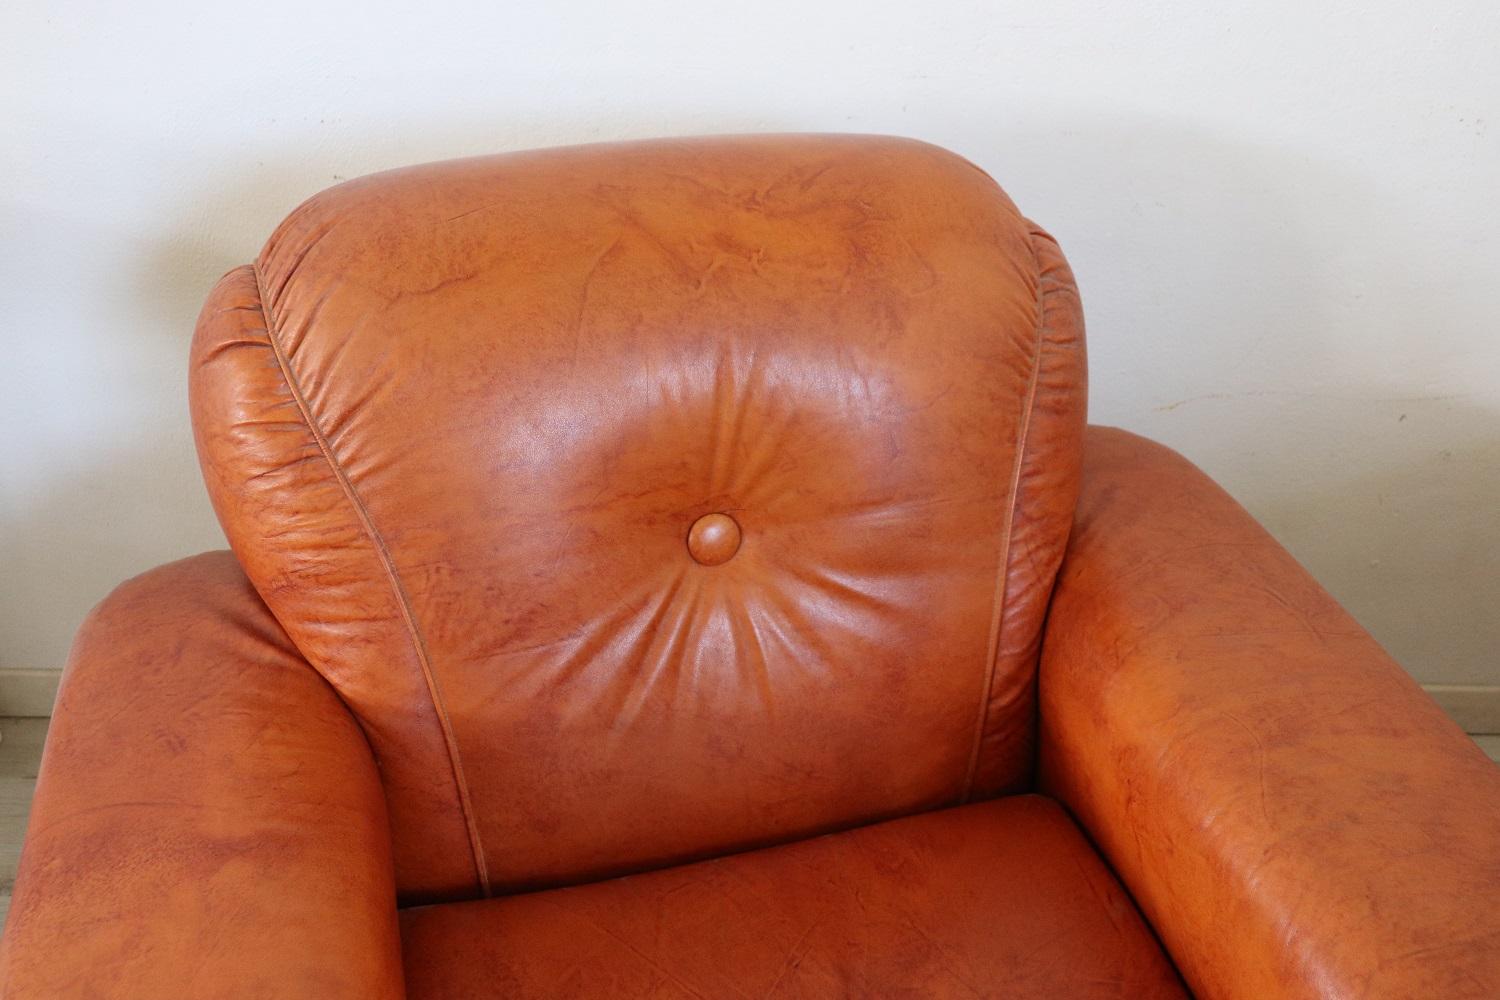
x: 692, y: 512
x: 208, y: 820
x: 459, y: 420
x: 1295, y: 816
x: 998, y: 899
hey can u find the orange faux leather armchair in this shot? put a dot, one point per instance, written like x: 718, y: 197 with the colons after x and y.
x: 720, y: 514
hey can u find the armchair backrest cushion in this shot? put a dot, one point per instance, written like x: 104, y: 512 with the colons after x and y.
x: 652, y: 501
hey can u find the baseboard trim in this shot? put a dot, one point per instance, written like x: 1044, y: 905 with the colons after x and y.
x: 28, y: 694
x: 1475, y: 707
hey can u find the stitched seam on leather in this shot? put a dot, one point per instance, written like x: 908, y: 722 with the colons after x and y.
x: 382, y: 554
x: 1002, y: 580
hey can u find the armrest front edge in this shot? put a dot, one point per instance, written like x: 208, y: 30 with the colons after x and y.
x: 208, y: 819
x: 1291, y: 811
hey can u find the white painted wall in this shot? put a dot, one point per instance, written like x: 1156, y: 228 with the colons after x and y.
x: 1285, y: 215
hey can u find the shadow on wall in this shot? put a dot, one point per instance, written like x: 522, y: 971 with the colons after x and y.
x: 1307, y: 338
x: 1246, y: 306
x: 1408, y: 537
x: 115, y: 499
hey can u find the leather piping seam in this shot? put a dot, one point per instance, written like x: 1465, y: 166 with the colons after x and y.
x: 382, y: 554
x: 1002, y: 581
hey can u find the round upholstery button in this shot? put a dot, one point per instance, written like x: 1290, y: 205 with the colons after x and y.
x: 713, y: 539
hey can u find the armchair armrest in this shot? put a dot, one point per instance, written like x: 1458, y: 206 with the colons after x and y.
x: 1292, y: 813
x: 208, y: 819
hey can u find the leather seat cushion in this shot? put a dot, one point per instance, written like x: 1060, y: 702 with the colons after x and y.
x: 1003, y: 898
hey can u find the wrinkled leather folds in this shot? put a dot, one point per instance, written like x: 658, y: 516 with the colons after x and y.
x: 208, y: 822
x: 458, y: 420
x: 697, y: 548
x: 1000, y: 899
x: 1294, y: 815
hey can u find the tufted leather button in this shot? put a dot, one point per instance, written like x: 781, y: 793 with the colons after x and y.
x: 713, y: 539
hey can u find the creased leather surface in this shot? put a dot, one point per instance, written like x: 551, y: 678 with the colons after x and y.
x: 458, y: 421
x: 271, y: 475
x: 208, y: 822
x: 1046, y: 490
x: 1001, y: 899
x: 1294, y: 815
